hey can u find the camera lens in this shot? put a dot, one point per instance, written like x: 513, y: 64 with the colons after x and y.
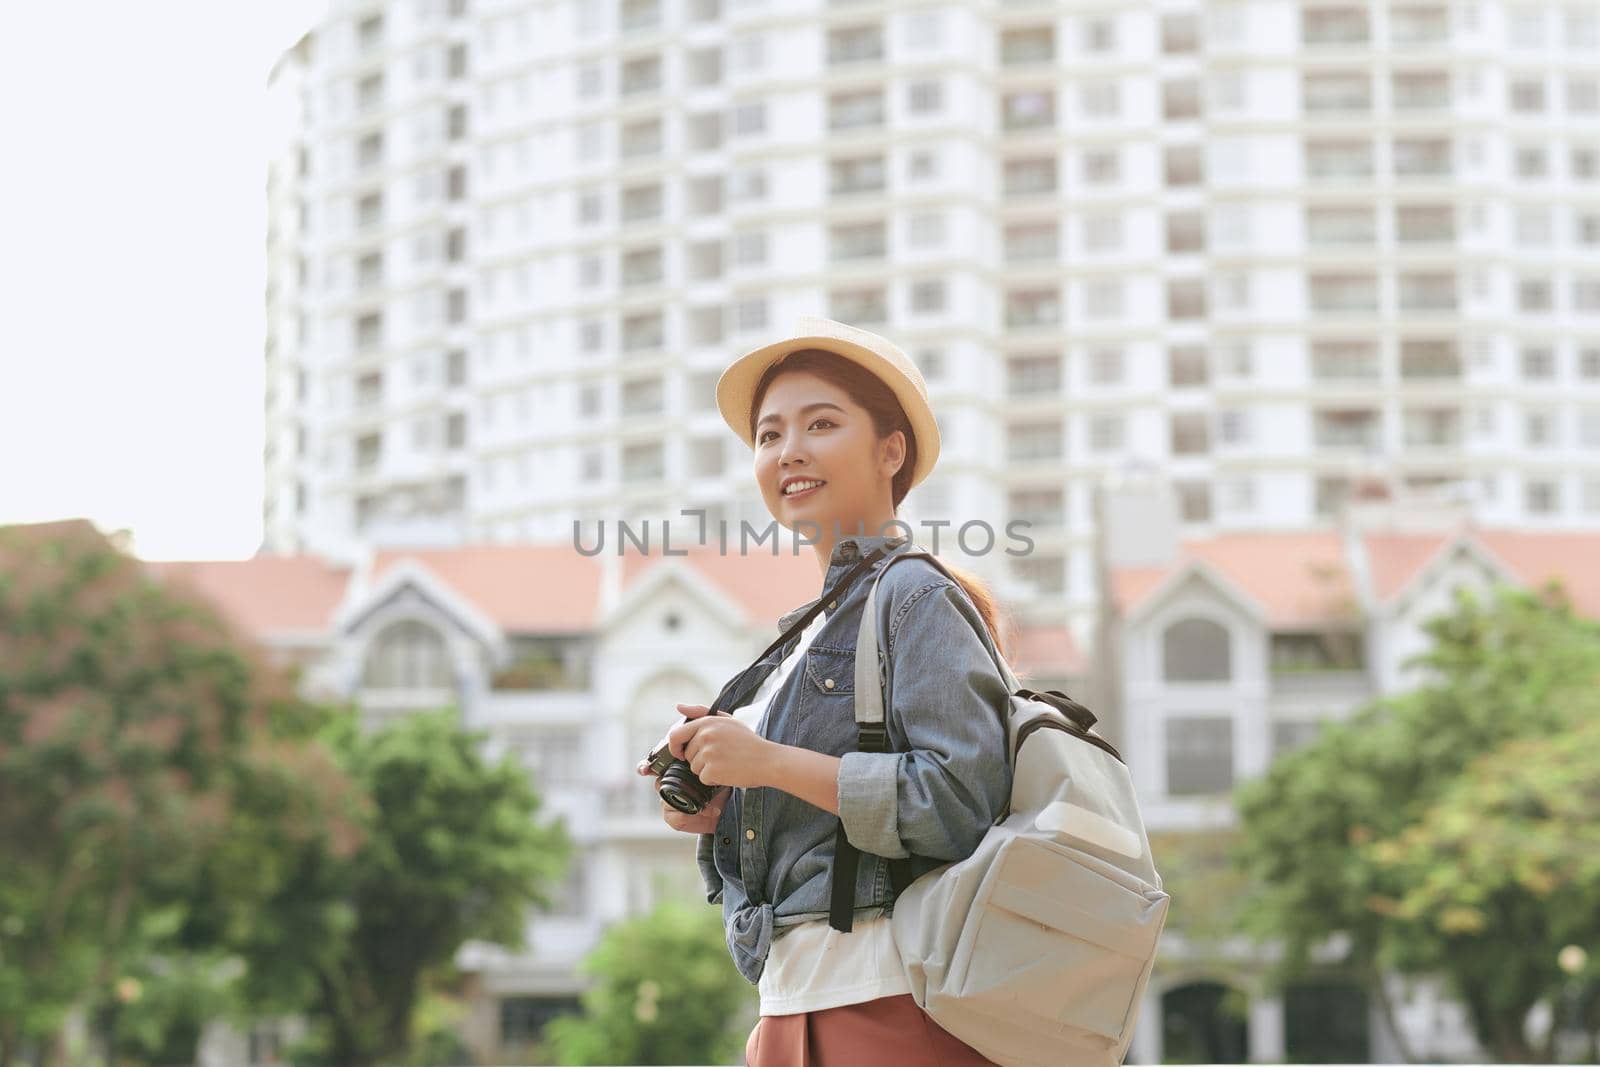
x: 681, y: 789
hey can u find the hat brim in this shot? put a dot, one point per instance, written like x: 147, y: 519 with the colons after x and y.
x: 737, y: 387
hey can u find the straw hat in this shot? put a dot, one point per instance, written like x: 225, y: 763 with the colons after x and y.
x: 736, y: 389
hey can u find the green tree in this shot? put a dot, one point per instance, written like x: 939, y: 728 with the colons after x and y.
x: 1515, y: 665
x: 451, y: 851
x: 1509, y: 855
x: 664, y: 992
x: 136, y: 730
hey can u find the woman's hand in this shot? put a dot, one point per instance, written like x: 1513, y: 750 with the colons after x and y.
x: 721, y: 750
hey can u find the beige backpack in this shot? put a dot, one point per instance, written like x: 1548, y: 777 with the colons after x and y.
x: 1036, y: 949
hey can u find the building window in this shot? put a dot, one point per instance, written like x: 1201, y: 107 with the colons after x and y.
x: 1188, y: 366
x: 1180, y: 99
x: 1106, y: 366
x: 1033, y: 308
x: 1542, y: 496
x: 1194, y: 500
x: 1102, y: 166
x: 1028, y: 109
x: 1030, y: 242
x: 1344, y: 361
x: 1344, y: 293
x: 862, y: 109
x: 1186, y: 298
x: 1183, y: 165
x: 1186, y: 232
x: 1028, y: 177
x: 1196, y: 650
x: 1027, y: 45
x: 1108, y: 433
x: 1040, y: 508
x: 855, y: 44
x: 1347, y: 428
x: 1199, y: 755
x: 1191, y: 433
x: 1422, y: 157
x: 1030, y: 441
x: 864, y: 174
x: 1033, y: 375
x: 859, y: 306
x: 1047, y: 573
x: 927, y: 296
x: 1337, y: 225
x: 925, y: 97
x: 644, y: 331
x: 408, y: 655
x: 1425, y: 223
x: 860, y: 240
x: 1335, y: 160
x: 1429, y: 359
x: 643, y: 462
x: 1336, y: 93
x: 1338, y: 26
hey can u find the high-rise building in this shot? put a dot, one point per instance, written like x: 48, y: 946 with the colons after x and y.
x: 1271, y: 250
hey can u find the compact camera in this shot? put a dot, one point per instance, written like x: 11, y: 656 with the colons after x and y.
x: 679, y: 786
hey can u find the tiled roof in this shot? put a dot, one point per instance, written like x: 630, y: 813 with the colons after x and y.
x: 764, y: 585
x: 523, y: 588
x: 1294, y: 578
x: 1394, y: 559
x: 266, y: 593
x: 1046, y: 651
x: 1300, y: 579
x: 1573, y: 559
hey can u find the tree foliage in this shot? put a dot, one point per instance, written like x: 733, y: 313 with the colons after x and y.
x: 1359, y: 834
x: 451, y: 851
x: 664, y: 993
x: 137, y: 733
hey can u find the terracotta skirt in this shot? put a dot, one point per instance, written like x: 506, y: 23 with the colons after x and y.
x: 889, y: 1030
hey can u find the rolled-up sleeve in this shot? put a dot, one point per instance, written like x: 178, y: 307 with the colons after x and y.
x: 708, y: 867
x: 949, y: 778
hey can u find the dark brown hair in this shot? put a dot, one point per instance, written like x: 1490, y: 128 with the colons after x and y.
x: 874, y: 395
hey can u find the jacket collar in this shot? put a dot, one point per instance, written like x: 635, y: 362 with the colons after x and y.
x: 847, y: 552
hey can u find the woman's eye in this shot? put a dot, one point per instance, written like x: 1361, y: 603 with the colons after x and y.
x: 762, y: 439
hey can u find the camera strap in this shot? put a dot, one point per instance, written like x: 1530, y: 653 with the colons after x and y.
x: 733, y: 691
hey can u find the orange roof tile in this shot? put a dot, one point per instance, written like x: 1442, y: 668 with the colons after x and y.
x: 1295, y: 578
x: 1394, y: 559
x: 1573, y: 559
x: 1046, y: 650
x: 265, y: 593
x: 523, y: 588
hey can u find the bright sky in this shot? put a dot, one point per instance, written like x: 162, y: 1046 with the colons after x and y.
x: 132, y: 226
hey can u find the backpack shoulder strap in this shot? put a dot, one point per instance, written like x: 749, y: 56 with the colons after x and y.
x: 869, y: 685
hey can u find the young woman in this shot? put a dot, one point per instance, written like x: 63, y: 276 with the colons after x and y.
x: 839, y: 423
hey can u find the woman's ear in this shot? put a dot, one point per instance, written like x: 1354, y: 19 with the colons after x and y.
x: 892, y: 453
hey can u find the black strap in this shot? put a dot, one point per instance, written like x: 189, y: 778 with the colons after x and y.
x: 846, y: 857
x: 731, y: 694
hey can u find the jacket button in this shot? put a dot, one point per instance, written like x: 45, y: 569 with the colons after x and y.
x: 749, y: 835
x: 827, y: 683
x: 727, y: 840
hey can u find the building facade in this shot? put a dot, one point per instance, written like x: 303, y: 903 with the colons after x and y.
x: 1224, y: 653
x: 1267, y: 247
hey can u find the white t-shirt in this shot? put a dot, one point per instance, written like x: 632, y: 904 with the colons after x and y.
x: 812, y: 966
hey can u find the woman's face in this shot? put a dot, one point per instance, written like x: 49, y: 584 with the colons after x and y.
x: 809, y: 429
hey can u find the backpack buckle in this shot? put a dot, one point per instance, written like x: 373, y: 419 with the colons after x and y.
x: 872, y: 737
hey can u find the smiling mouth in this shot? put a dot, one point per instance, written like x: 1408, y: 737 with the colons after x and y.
x: 818, y: 484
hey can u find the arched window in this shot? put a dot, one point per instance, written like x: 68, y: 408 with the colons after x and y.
x: 408, y: 655
x: 1196, y: 650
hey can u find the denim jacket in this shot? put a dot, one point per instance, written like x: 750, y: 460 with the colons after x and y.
x: 931, y: 798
